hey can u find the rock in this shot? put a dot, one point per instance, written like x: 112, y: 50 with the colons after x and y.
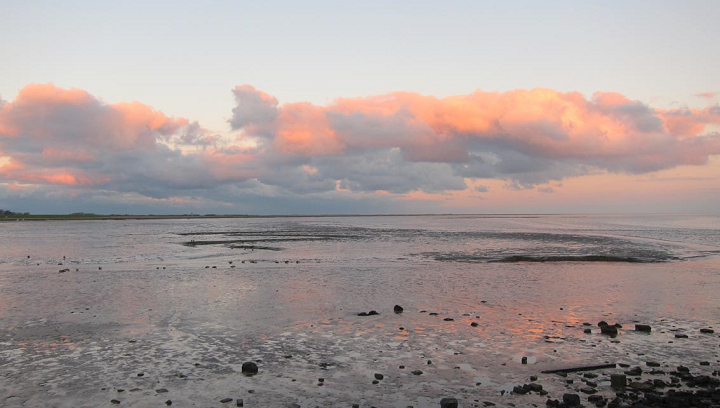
x: 379, y: 376
x: 571, y: 400
x: 239, y: 402
x: 429, y: 362
x: 249, y: 368
x: 449, y: 319
x: 643, y: 328
x: 704, y: 363
x: 587, y: 331
x: 398, y: 309
x: 416, y: 372
x: 518, y: 389
x: 533, y: 378
x: 600, y: 324
x: 618, y: 380
x: 474, y: 324
x: 652, y: 364
x: 226, y: 400
x: 140, y: 374
x: 115, y: 401
x: 535, y: 387
x: 161, y: 390
x: 588, y: 390
x: 681, y: 336
x: 523, y: 360
x: 635, y: 371
x: 432, y: 314
x: 609, y: 330
x: 373, y: 313
x: 641, y: 386
x: 362, y: 314
x: 449, y: 403
x: 402, y: 367
x: 168, y: 402
x: 376, y: 382
x: 488, y: 404
x: 707, y: 331
x: 682, y: 369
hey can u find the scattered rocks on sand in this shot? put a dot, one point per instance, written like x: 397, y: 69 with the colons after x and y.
x: 449, y: 402
x: 398, y: 309
x: 643, y: 328
x: 571, y: 400
x: 249, y: 368
x: 370, y: 313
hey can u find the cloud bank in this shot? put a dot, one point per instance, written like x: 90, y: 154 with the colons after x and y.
x: 355, y: 148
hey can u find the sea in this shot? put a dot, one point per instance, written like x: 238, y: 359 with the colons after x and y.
x: 146, y: 312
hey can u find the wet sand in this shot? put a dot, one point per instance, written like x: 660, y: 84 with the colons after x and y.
x: 146, y: 333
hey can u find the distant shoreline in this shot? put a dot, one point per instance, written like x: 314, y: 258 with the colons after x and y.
x: 72, y: 217
x: 82, y: 216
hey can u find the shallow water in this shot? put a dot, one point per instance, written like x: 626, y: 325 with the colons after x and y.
x: 168, y: 303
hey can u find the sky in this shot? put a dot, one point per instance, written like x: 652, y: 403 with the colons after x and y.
x: 171, y: 107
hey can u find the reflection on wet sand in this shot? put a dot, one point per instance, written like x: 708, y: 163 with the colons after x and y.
x: 473, y: 331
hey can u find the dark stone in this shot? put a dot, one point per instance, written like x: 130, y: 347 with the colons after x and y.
x: 239, y: 402
x: 587, y: 324
x: 658, y: 383
x: 643, y: 328
x: 535, y: 387
x: 609, y: 330
x: 704, y: 363
x: 115, y: 401
x: 433, y: 314
x: 588, y: 390
x: 519, y: 390
x: 402, y: 367
x: 168, y: 402
x: 635, y: 371
x: 523, y: 360
x: 249, y: 368
x: 571, y: 400
x: 449, y: 403
x: 226, y: 400
x: 449, y: 319
x: 398, y: 309
x: 601, y: 324
x: 416, y: 372
x: 681, y: 336
x: 372, y: 313
x: 652, y: 364
x: 641, y: 386
x: 707, y: 331
x: 683, y: 369
x: 379, y: 376
x: 140, y: 374
x: 321, y: 380
x: 376, y: 382
x: 474, y: 324
x: 362, y: 314
x: 429, y: 362
x: 587, y: 331
x: 161, y: 390
x: 618, y: 380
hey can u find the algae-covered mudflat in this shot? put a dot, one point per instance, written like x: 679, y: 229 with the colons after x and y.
x: 167, y: 311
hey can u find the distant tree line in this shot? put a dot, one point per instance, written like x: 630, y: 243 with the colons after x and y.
x: 8, y: 212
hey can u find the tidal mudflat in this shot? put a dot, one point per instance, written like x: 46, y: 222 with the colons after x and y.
x: 155, y: 312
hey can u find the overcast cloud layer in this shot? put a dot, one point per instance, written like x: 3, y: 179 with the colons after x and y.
x: 355, y: 152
